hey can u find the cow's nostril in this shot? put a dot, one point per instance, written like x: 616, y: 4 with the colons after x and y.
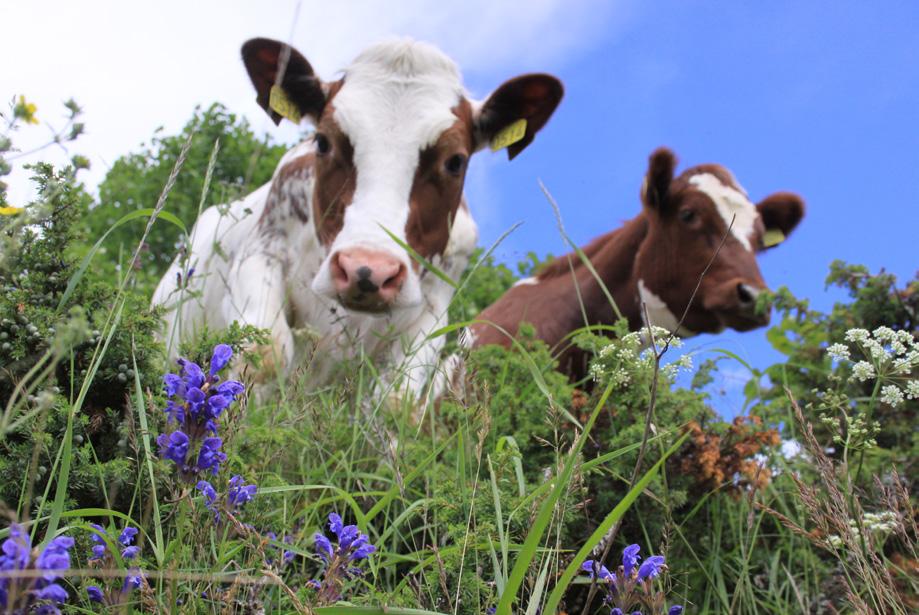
x: 394, y: 282
x: 746, y: 294
x: 339, y: 273
x: 365, y: 283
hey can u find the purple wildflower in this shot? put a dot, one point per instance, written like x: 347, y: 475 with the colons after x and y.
x: 210, y: 456
x: 239, y: 494
x: 197, y: 400
x: 174, y: 447
x: 42, y: 592
x: 95, y: 594
x: 630, y: 559
x: 352, y: 546
x: 220, y: 358
x: 596, y: 569
x: 651, y: 567
x: 676, y: 609
x: 323, y: 546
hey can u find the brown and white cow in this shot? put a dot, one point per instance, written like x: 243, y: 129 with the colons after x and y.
x: 314, y: 248
x: 656, y: 260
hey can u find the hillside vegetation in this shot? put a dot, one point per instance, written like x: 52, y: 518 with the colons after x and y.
x: 129, y: 483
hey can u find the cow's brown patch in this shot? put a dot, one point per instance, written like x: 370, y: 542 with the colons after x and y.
x: 287, y: 188
x: 437, y: 189
x: 336, y: 175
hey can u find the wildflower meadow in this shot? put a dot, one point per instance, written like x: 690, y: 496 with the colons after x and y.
x: 130, y: 482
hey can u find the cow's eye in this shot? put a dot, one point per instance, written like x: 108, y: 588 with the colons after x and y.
x: 454, y: 164
x: 687, y: 215
x: 323, y: 145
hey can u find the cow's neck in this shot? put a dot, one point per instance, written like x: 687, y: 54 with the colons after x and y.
x: 613, y: 258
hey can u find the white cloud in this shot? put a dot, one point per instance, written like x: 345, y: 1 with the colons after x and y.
x: 136, y: 66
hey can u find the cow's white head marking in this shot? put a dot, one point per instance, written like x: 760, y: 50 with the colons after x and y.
x: 392, y: 142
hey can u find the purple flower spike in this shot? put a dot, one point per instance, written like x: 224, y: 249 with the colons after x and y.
x: 362, y: 552
x: 210, y: 457
x: 95, y: 594
x: 335, y: 524
x: 651, y: 567
x: 220, y: 358
x: 676, y: 609
x: 174, y: 447
x: 127, y: 536
x: 323, y: 546
x: 231, y: 388
x: 240, y: 494
x: 630, y: 558
x: 616, y: 611
x: 173, y: 385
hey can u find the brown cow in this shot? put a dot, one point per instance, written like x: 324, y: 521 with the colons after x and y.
x: 656, y: 259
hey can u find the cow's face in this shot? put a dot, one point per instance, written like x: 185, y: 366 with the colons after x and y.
x: 703, y: 218
x: 391, y: 148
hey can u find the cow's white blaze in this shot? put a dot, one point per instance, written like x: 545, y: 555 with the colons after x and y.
x: 732, y: 204
x: 531, y: 281
x: 397, y: 99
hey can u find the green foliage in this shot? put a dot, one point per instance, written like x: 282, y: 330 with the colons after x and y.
x: 62, y: 341
x: 830, y: 389
x: 136, y: 181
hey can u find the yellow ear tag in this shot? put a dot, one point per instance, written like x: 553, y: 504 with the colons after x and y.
x: 279, y: 102
x: 10, y: 211
x: 509, y: 135
x: 773, y: 237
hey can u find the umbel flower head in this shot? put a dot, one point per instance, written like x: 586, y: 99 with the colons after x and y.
x: 632, y: 584
x: 197, y: 400
x: 33, y: 594
x: 339, y: 559
x: 102, y: 557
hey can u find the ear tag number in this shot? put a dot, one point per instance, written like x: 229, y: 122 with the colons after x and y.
x: 509, y: 135
x: 773, y: 237
x: 283, y: 105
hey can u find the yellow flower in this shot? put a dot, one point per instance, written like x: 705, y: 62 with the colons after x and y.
x: 25, y: 111
x: 10, y: 211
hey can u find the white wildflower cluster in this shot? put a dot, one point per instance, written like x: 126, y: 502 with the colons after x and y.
x: 683, y: 363
x: 892, y: 395
x: 912, y: 389
x: 890, y: 356
x: 877, y: 524
x: 617, y: 362
x: 838, y: 352
x: 863, y: 371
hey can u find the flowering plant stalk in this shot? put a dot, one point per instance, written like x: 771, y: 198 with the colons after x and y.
x: 632, y: 584
x: 103, y: 557
x: 197, y: 400
x: 339, y: 560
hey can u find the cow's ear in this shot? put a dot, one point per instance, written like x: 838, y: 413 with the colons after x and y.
x: 656, y: 186
x: 516, y: 111
x: 298, y: 93
x: 781, y: 212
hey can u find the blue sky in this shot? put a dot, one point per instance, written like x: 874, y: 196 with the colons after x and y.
x: 817, y: 98
x: 814, y: 97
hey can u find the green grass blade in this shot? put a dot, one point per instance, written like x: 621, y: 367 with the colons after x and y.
x: 534, y: 536
x: 81, y: 270
x: 420, y: 259
x: 158, y: 548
